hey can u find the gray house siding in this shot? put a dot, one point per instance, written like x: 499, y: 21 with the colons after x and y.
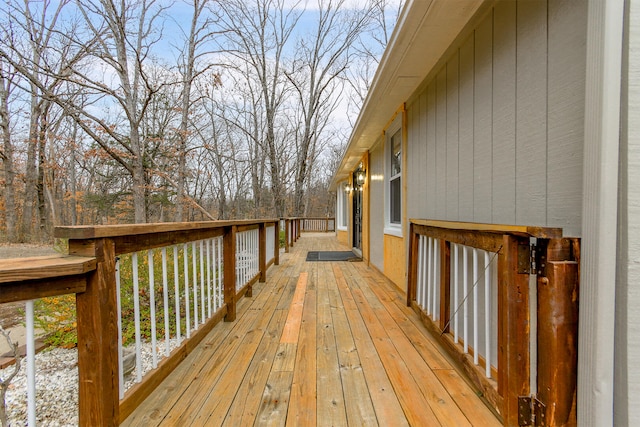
x: 627, y: 319
x: 496, y: 133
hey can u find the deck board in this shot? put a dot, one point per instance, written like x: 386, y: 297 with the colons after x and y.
x: 341, y: 348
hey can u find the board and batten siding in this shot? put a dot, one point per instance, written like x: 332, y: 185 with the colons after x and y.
x: 496, y: 133
x: 627, y: 316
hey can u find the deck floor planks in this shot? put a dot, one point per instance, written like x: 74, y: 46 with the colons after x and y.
x: 345, y: 369
x: 402, y: 315
x: 236, y: 349
x: 442, y: 404
x: 386, y: 402
x: 330, y: 404
x: 244, y: 407
x: 225, y: 347
x: 302, y: 400
x: 216, y: 404
x: 361, y: 368
x: 466, y: 399
x: 154, y: 409
x: 416, y: 407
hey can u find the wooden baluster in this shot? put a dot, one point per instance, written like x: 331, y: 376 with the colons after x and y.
x: 98, y: 394
x: 513, y: 329
x: 230, y: 272
x: 412, y: 270
x: 262, y: 240
x: 445, y: 288
x: 276, y: 243
x: 286, y: 235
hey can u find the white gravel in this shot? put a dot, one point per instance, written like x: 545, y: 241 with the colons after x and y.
x: 57, y: 386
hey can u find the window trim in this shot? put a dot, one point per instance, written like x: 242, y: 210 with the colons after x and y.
x: 392, y: 228
x: 343, y: 207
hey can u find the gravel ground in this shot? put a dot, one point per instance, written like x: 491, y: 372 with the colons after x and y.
x: 57, y: 387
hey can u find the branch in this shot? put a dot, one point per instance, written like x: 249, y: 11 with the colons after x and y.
x: 4, y: 383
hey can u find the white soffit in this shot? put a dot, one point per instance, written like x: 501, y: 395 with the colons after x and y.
x: 424, y: 32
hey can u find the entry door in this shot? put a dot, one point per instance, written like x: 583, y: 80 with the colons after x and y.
x: 357, y: 216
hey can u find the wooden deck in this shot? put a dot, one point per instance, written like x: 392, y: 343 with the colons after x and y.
x: 321, y: 343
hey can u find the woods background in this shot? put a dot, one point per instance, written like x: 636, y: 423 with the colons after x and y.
x: 150, y: 111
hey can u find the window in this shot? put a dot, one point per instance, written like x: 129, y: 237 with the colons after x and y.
x: 343, y: 211
x: 393, y: 192
x: 395, y: 179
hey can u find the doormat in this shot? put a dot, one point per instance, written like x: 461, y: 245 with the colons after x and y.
x: 332, y: 256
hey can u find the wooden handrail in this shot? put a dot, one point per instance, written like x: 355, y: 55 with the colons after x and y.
x: 516, y: 230
x: 119, y: 230
x: 556, y: 265
x: 89, y: 272
x: 46, y: 276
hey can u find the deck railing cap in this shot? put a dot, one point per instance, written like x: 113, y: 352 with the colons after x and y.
x: 102, y: 231
x: 522, y: 230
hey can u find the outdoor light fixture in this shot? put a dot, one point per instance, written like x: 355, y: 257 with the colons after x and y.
x: 361, y: 176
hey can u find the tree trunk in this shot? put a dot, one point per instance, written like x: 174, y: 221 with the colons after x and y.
x: 138, y: 178
x: 31, y: 173
x: 72, y: 177
x: 42, y: 140
x: 7, y: 160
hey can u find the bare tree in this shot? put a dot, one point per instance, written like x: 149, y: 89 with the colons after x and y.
x: 190, y: 68
x: 258, y: 31
x: 323, y: 56
x: 369, y: 50
x: 7, y: 77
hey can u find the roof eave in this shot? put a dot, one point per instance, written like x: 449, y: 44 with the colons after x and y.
x: 423, y: 33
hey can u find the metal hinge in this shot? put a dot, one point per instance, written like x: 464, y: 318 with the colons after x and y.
x: 531, y: 412
x: 531, y: 258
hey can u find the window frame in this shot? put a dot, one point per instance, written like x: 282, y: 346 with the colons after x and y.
x: 393, y: 228
x: 343, y: 207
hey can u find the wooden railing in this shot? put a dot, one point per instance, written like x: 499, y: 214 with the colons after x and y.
x: 470, y: 283
x: 214, y: 262
x: 293, y: 227
x: 322, y: 225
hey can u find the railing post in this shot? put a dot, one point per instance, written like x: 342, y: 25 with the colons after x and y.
x: 286, y: 235
x: 445, y: 288
x: 262, y: 256
x: 229, y: 242
x: 412, y: 270
x: 98, y: 394
x: 326, y: 227
x: 558, y: 332
x: 513, y: 329
x: 276, y: 246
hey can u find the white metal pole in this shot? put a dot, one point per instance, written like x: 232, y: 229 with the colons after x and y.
x: 165, y: 300
x: 136, y: 310
x: 152, y: 303
x: 31, y: 364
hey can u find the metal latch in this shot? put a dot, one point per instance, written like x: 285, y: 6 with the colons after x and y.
x: 531, y: 412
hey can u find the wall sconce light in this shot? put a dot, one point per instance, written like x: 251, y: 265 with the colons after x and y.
x: 347, y: 188
x: 360, y: 176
